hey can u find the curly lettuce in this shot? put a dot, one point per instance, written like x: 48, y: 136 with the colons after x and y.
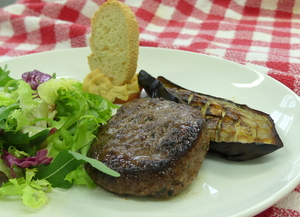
x: 46, y: 128
x: 31, y: 191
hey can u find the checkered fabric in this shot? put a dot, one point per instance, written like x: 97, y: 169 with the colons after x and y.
x: 262, y: 34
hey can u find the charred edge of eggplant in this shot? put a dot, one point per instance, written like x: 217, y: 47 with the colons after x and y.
x: 153, y: 87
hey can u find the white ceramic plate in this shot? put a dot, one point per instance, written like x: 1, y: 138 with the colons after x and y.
x: 222, y: 188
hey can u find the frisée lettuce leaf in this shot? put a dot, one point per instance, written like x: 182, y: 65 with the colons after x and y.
x: 82, y: 113
x: 32, y: 191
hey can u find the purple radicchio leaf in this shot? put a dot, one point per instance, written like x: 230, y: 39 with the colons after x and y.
x: 35, y: 78
x: 40, y: 158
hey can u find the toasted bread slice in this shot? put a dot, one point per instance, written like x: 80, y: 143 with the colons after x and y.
x: 114, y: 42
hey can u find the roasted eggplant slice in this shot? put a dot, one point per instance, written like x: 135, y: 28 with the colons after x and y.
x: 237, y: 132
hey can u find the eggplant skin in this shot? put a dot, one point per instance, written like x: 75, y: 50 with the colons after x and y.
x: 236, y: 151
x: 237, y: 132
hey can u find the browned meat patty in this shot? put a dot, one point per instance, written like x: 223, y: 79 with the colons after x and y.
x: 157, y: 146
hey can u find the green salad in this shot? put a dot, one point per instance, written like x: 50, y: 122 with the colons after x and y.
x: 46, y: 128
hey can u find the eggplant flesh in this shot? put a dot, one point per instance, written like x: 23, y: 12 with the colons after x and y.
x: 237, y: 132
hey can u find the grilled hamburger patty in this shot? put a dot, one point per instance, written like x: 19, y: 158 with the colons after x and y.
x: 157, y: 146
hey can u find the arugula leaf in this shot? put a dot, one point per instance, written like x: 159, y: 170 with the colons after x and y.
x: 65, y: 162
x: 55, y: 172
x: 24, y: 142
x: 96, y: 164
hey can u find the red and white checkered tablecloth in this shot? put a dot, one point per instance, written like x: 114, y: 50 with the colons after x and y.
x: 262, y: 34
